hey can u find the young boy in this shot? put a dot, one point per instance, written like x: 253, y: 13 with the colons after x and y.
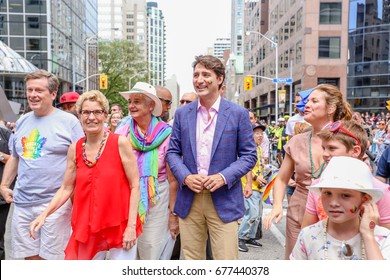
x: 345, y: 138
x: 254, y: 184
x: 350, y: 231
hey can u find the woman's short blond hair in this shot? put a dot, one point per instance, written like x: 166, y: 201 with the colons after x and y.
x: 93, y: 95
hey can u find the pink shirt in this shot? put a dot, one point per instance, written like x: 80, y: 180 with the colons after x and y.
x: 383, y: 204
x: 205, y: 129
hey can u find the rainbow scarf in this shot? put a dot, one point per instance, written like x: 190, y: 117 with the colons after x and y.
x: 147, y: 161
x: 268, y: 187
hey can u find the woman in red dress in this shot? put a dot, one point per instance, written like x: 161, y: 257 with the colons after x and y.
x: 103, y: 175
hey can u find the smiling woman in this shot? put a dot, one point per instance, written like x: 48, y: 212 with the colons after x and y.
x: 96, y: 230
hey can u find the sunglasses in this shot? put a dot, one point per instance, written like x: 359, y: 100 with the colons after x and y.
x: 336, y: 126
x: 168, y: 102
x: 381, y: 123
x: 185, y: 101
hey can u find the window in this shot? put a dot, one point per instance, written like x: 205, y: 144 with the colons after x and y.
x: 329, y: 47
x: 330, y: 13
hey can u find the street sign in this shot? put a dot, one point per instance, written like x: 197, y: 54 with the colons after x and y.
x: 282, y: 80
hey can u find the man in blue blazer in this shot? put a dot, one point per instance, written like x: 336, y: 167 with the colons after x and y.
x: 211, y: 148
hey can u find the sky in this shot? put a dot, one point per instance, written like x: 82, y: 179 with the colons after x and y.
x: 191, y: 27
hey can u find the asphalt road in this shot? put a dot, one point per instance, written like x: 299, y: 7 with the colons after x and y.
x: 272, y: 241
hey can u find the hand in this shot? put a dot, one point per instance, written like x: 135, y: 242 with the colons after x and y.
x: 248, y: 191
x: 129, y: 238
x: 292, y: 183
x: 370, y: 218
x: 275, y: 215
x: 173, y: 224
x: 36, y: 225
x: 7, y: 194
x: 213, y: 182
x: 195, y: 182
x: 261, y: 181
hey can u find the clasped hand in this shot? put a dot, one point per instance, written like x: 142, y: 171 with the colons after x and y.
x: 198, y: 182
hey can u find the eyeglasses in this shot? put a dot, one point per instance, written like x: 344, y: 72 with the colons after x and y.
x: 336, y: 126
x: 168, y: 102
x: 381, y: 123
x: 258, y: 133
x: 96, y: 113
x: 185, y: 101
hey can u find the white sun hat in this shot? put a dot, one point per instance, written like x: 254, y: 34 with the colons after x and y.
x: 347, y: 173
x: 149, y: 91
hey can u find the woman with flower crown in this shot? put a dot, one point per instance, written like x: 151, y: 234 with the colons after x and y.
x: 102, y: 174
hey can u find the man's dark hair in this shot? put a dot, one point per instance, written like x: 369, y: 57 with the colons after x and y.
x: 212, y: 63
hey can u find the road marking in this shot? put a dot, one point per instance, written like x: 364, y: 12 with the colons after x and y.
x: 275, y: 231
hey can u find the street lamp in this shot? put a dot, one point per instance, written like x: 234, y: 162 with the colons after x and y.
x: 87, y: 59
x: 276, y: 67
x: 87, y: 40
x: 135, y: 75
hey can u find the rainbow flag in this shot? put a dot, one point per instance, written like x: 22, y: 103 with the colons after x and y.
x: 268, y: 188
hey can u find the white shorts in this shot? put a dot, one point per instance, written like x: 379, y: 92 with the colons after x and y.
x: 52, y: 238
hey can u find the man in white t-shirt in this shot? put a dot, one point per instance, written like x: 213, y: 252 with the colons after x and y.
x: 39, y: 151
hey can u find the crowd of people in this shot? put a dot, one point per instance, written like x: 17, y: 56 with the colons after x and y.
x: 87, y: 182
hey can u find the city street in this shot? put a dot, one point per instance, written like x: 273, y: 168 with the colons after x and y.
x: 272, y: 241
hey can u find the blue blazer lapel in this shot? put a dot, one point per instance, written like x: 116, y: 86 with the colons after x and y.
x: 223, y: 116
x: 191, y: 121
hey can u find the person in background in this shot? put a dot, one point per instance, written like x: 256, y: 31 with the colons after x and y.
x: 94, y: 229
x: 211, y: 148
x: 165, y: 97
x: 383, y: 170
x: 149, y: 137
x: 322, y: 105
x: 116, y: 108
x: 113, y: 121
x: 5, y: 135
x: 350, y: 232
x: 68, y: 102
x: 265, y: 141
x: 187, y: 98
x: 253, y: 197
x: 297, y: 118
x: 39, y: 147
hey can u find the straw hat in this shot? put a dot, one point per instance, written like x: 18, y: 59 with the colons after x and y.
x: 347, y: 173
x: 149, y: 91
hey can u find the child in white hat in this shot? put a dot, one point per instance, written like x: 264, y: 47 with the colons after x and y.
x: 351, y: 230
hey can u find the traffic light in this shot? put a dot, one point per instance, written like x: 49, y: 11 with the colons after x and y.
x: 388, y: 105
x: 103, y: 81
x: 248, y: 83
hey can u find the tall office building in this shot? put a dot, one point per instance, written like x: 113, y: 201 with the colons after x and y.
x: 156, y: 41
x: 112, y: 19
x: 368, y: 43
x: 49, y: 34
x: 220, y: 46
x: 311, y: 43
x: 136, y: 24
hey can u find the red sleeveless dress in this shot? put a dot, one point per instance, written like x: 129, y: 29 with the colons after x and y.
x: 101, y: 204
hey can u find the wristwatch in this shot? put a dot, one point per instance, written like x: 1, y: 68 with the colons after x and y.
x: 1, y: 156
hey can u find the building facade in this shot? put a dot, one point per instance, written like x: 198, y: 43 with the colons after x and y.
x: 302, y: 40
x: 156, y: 42
x: 368, y: 85
x: 51, y: 35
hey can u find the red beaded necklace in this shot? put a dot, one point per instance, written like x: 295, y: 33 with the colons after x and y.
x: 92, y: 163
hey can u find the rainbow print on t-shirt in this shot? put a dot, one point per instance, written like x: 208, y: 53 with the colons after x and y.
x: 32, y: 145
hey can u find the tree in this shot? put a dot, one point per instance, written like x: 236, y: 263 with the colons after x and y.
x: 120, y: 60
